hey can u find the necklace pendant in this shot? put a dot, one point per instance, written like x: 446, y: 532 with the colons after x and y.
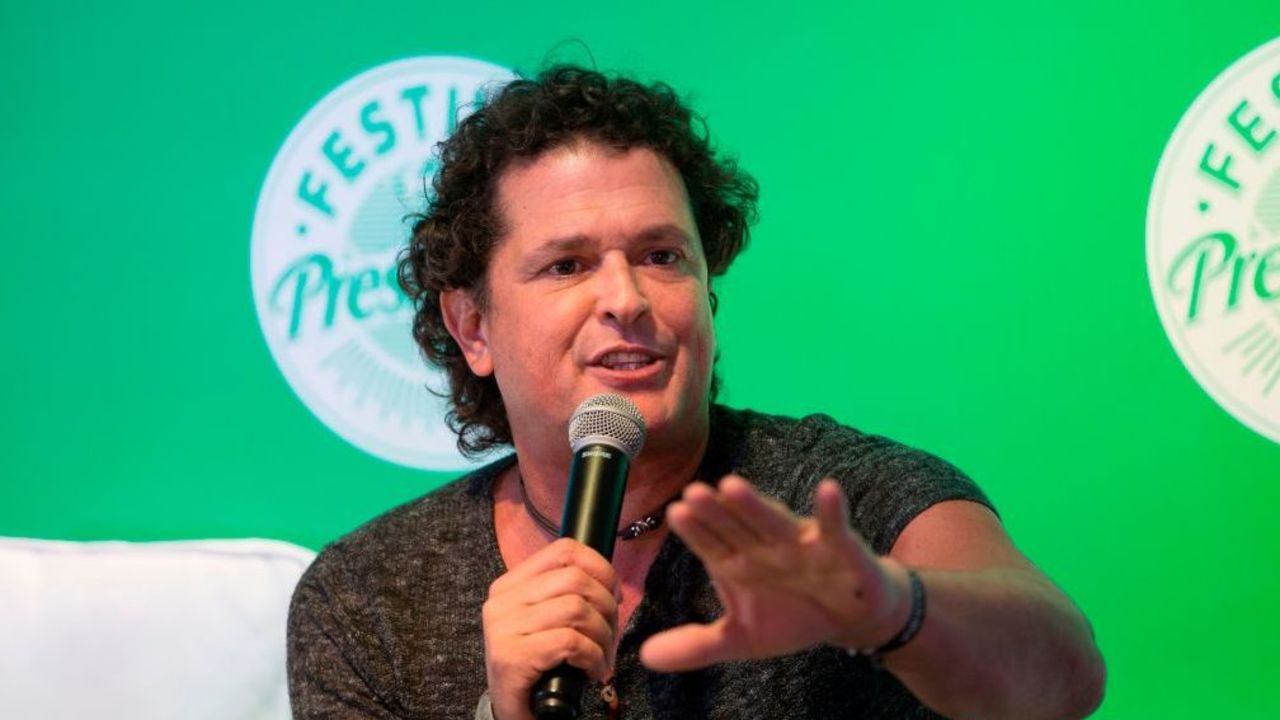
x: 612, y: 705
x: 641, y: 526
x: 632, y: 531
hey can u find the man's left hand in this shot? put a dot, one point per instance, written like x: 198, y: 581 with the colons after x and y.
x: 786, y: 582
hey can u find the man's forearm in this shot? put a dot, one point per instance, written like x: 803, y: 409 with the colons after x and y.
x: 1001, y: 643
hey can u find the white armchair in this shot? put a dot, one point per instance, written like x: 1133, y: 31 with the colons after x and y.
x: 190, y: 630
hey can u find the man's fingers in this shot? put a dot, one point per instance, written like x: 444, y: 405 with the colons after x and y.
x: 831, y: 509
x: 701, y: 539
x: 569, y: 611
x: 688, y: 647
x: 564, y: 552
x: 709, y: 509
x: 549, y: 648
x: 572, y: 581
x: 766, y: 517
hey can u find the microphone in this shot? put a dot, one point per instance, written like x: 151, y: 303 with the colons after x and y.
x: 605, y: 432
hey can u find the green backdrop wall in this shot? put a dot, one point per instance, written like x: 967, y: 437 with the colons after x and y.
x: 950, y: 252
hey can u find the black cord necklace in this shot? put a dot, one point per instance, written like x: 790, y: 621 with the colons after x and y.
x: 644, y: 525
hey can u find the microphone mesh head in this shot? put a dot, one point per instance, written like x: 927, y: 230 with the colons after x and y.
x: 610, y: 419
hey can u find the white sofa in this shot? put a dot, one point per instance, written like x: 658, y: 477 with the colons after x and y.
x: 189, y: 630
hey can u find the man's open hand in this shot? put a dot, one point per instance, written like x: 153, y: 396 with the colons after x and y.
x: 786, y: 583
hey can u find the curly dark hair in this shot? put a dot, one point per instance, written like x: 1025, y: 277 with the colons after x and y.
x: 453, y: 241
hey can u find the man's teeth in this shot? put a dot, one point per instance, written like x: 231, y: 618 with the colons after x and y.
x: 625, y: 360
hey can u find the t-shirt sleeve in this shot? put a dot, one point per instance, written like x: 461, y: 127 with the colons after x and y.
x: 330, y: 676
x: 888, y: 483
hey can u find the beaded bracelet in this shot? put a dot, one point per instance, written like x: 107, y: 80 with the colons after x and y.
x: 914, y: 621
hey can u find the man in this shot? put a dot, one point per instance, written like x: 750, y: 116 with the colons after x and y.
x: 568, y: 251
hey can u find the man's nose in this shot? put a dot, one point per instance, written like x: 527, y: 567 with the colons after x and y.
x: 622, y: 300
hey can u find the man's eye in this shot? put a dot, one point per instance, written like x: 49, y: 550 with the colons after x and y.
x: 563, y: 267
x: 664, y: 257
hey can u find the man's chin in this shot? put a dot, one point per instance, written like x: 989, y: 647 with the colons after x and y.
x: 666, y: 425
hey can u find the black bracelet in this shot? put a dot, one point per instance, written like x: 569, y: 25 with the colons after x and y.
x: 914, y: 622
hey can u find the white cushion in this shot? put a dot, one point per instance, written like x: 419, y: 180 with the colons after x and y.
x: 165, y: 630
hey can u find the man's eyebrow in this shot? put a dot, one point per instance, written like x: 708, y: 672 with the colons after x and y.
x: 665, y: 231
x: 576, y: 243
x: 569, y: 243
x: 553, y: 248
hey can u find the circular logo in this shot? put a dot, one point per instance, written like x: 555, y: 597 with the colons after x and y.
x: 330, y: 221
x: 1213, y: 240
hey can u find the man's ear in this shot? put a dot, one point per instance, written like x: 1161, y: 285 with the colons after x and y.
x: 466, y: 324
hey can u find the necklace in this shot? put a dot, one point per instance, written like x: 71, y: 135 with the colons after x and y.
x: 633, y: 530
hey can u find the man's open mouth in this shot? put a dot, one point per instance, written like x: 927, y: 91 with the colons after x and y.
x: 626, y: 360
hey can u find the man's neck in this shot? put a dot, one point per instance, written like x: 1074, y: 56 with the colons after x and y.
x: 658, y: 473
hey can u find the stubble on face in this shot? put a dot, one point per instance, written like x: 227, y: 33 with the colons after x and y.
x: 594, y: 210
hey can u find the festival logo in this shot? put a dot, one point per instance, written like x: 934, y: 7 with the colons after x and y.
x: 330, y: 221
x: 1213, y: 240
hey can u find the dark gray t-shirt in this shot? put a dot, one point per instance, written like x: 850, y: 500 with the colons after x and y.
x: 386, y: 622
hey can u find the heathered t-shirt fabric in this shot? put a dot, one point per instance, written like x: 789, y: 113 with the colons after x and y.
x: 386, y: 622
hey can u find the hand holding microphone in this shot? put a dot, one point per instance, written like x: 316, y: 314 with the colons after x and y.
x: 558, y: 606
x: 550, y: 622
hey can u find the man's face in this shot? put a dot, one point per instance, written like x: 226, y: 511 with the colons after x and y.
x: 599, y: 284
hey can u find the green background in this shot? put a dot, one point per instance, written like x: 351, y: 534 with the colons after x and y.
x: 951, y: 252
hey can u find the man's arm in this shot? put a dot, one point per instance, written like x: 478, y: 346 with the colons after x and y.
x: 998, y: 639
x: 324, y: 680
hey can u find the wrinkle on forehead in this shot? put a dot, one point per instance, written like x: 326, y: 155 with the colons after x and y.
x: 565, y: 176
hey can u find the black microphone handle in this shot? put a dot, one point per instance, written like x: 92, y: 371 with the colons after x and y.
x: 592, y: 506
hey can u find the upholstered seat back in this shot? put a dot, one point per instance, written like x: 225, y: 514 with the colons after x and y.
x: 116, y: 631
